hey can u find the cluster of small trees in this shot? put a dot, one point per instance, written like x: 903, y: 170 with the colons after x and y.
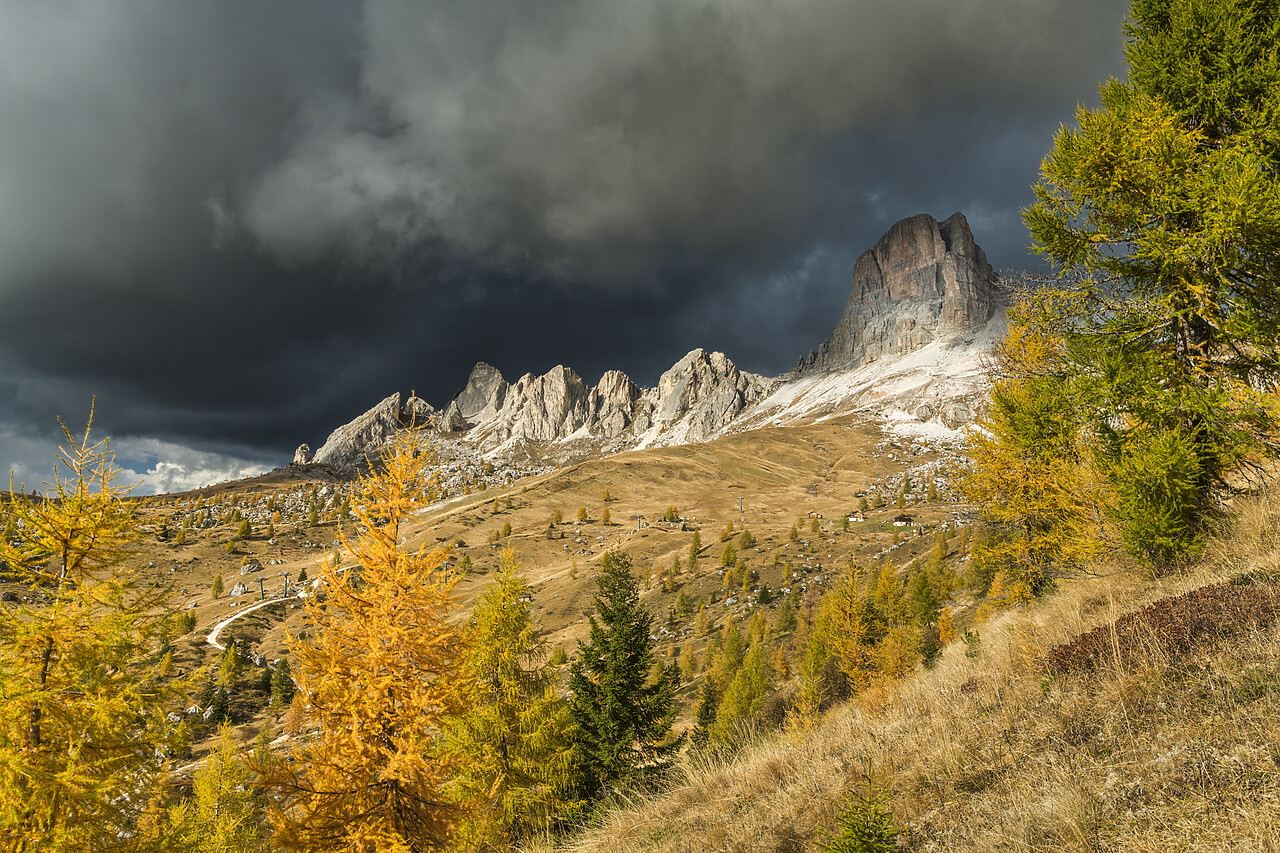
x: 419, y: 732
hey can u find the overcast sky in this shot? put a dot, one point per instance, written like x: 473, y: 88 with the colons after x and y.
x: 240, y: 224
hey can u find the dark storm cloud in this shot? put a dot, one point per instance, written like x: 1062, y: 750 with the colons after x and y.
x: 239, y: 224
x: 592, y: 140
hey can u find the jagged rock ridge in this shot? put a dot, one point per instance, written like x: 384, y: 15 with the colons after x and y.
x: 924, y: 280
x: 697, y: 396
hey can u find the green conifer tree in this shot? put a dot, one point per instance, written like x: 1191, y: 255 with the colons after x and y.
x: 514, y: 744
x: 745, y: 694
x: 705, y: 716
x: 281, y: 685
x: 623, y: 721
x: 1163, y: 209
x: 222, y: 815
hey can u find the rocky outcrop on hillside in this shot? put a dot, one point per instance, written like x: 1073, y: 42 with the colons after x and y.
x: 483, y: 395
x: 923, y: 281
x: 696, y: 398
x: 348, y: 446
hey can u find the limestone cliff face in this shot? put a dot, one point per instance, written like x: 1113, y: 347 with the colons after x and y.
x: 698, y: 396
x: 484, y: 393
x: 923, y: 281
x: 611, y: 404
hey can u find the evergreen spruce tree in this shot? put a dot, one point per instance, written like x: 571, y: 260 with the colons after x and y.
x: 705, y: 716
x: 623, y: 720
x: 786, y: 619
x: 219, y: 711
x: 281, y: 685
x: 922, y: 599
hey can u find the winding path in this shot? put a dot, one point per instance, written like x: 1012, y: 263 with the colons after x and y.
x: 212, y: 639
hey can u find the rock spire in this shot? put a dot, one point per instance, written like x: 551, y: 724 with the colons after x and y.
x: 924, y: 280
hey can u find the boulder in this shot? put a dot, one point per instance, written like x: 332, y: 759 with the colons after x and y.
x: 303, y: 455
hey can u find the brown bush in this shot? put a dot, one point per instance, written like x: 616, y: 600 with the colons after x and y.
x: 1172, y: 626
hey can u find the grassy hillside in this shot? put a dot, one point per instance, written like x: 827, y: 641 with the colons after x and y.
x: 767, y: 482
x: 1155, y: 733
x: 1168, y: 740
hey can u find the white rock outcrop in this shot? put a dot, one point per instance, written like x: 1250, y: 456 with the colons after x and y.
x: 698, y: 396
x: 351, y: 445
x: 923, y: 310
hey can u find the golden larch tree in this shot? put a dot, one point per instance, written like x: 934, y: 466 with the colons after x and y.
x: 378, y: 671
x: 83, y: 665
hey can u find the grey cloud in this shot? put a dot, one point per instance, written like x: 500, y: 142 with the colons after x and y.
x: 583, y: 139
x: 121, y: 123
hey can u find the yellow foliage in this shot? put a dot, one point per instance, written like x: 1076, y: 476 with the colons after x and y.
x: 850, y: 628
x: 946, y: 626
x: 896, y: 654
x: 1028, y: 472
x: 83, y: 693
x: 379, y: 670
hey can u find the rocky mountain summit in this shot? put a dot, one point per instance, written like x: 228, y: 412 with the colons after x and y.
x: 907, y: 350
x: 923, y: 281
x: 697, y: 396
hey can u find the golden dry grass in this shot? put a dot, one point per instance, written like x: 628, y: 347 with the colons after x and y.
x: 1161, y: 753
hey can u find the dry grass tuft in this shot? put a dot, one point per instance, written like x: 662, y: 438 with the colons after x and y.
x: 1161, y: 742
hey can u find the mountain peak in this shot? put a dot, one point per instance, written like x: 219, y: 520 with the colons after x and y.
x: 923, y: 280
